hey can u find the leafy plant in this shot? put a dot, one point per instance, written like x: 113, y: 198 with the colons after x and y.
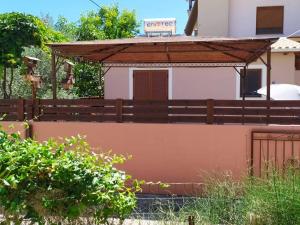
x: 275, y: 200
x: 58, y: 183
x: 19, y: 30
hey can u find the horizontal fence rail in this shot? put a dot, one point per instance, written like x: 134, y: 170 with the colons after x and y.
x: 172, y: 111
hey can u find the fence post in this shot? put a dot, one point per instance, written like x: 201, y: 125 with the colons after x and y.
x: 210, y: 111
x: 21, y: 110
x: 36, y: 109
x: 119, y: 110
x: 191, y: 220
x: 268, y: 104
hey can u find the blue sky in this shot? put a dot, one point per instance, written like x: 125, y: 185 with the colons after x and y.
x: 73, y: 8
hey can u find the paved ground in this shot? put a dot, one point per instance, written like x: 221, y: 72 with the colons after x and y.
x: 151, y: 222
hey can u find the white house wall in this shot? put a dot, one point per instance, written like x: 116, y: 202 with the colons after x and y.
x: 242, y: 16
x: 213, y: 17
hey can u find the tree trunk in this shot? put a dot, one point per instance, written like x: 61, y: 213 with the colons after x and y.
x: 11, y: 82
x: 4, y: 83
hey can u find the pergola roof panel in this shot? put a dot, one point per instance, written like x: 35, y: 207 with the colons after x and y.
x: 179, y: 49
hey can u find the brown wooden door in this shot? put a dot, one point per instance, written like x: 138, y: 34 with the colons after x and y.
x: 150, y: 86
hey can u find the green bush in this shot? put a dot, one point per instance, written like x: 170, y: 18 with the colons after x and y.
x: 58, y: 183
x: 271, y: 200
x: 274, y: 200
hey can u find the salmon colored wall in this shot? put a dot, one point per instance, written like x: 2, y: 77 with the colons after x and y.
x: 180, y: 154
x: 12, y: 127
x: 171, y: 153
x: 175, y: 153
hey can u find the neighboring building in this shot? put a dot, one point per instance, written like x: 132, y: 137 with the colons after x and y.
x: 221, y: 18
x: 160, y: 27
x: 252, y: 18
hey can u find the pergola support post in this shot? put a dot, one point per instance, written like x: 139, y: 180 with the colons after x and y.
x: 243, y: 77
x: 268, y: 83
x: 53, y: 75
x: 269, y: 74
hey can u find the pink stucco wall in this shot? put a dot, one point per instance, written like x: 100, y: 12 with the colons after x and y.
x: 13, y: 127
x: 203, y: 83
x: 171, y: 153
x: 116, y: 83
x: 283, y: 67
x: 297, y: 77
x: 180, y: 154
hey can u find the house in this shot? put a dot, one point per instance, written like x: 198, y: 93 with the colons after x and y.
x: 248, y: 18
x: 222, y: 18
x: 176, y: 141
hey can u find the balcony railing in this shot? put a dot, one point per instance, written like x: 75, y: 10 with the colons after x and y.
x: 172, y: 111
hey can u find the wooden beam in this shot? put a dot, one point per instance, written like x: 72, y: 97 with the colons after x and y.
x: 269, y: 74
x: 53, y: 76
x: 207, y: 45
x: 114, y: 53
x: 244, y: 83
x: 244, y: 93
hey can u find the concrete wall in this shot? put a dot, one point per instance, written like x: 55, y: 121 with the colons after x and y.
x: 242, y: 16
x: 13, y: 127
x: 175, y: 153
x: 181, y: 154
x: 213, y: 18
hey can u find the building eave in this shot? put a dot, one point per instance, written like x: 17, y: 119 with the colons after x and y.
x: 189, y: 28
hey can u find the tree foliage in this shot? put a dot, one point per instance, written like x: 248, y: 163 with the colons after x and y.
x: 60, y: 183
x: 18, y: 31
x: 23, y: 34
x: 67, y: 28
x: 107, y: 23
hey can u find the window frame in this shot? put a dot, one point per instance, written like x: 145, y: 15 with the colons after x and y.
x: 266, y: 31
x: 247, y: 95
x: 263, y: 81
x: 297, y: 61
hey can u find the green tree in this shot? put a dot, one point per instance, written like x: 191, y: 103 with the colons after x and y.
x: 67, y: 28
x: 108, y: 23
x: 18, y: 31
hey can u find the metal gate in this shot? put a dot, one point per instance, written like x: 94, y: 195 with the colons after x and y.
x: 273, y: 149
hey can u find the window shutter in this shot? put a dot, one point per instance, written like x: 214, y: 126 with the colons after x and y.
x: 252, y: 81
x: 270, y: 20
x: 297, y: 61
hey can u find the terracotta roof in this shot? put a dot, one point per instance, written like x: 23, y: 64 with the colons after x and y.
x: 286, y: 45
x: 178, y: 49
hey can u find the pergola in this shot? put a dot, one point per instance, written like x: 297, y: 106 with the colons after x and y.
x: 178, y: 51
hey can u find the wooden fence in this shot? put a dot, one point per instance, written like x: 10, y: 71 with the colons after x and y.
x: 171, y: 111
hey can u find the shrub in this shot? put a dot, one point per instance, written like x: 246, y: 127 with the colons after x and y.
x: 52, y: 182
x: 274, y: 200
x: 220, y: 203
x: 271, y: 200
